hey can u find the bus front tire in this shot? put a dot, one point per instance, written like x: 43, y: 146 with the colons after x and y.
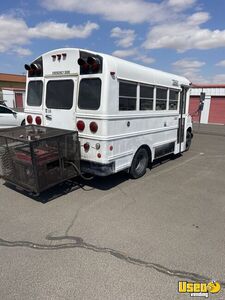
x: 188, y: 140
x: 139, y: 164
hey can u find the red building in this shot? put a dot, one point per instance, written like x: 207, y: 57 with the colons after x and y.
x: 214, y: 103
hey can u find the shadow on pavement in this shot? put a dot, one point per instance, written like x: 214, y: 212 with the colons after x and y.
x: 99, y: 183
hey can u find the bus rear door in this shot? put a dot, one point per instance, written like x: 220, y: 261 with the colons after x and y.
x: 60, y: 102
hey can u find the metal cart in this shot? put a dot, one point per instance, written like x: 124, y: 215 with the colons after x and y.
x: 36, y: 158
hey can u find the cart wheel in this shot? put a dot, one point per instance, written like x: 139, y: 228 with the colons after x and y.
x: 139, y: 163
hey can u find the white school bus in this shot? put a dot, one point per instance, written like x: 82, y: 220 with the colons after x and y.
x: 127, y: 115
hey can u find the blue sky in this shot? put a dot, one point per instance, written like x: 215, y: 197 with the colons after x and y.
x: 186, y: 37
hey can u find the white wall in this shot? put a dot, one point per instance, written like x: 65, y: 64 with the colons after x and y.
x: 8, y: 97
x: 205, y: 111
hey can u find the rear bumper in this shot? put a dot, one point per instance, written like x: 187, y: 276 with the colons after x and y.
x: 97, y: 168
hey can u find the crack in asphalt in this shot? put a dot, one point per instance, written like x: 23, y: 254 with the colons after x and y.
x: 78, y: 242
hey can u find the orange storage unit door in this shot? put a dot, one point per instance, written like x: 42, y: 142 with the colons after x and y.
x: 193, y: 108
x: 217, y: 110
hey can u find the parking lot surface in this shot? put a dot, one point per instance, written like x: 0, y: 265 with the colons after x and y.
x: 117, y: 238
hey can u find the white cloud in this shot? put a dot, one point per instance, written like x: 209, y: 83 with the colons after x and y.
x: 219, y: 78
x: 132, y: 11
x: 190, y: 69
x: 144, y: 59
x: 185, y: 35
x: 61, y: 31
x: 195, y: 74
x: 22, y: 51
x: 198, y: 18
x: 181, y: 4
x: 221, y: 63
x: 171, y: 26
x: 134, y: 54
x: 15, y: 33
x: 188, y: 64
x: 124, y: 37
x: 125, y: 53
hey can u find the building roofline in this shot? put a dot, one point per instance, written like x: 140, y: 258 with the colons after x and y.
x: 15, y: 89
x: 13, y: 78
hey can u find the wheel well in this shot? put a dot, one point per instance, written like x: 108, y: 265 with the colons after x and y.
x: 23, y: 122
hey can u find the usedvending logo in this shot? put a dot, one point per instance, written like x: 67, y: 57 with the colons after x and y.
x: 198, y: 289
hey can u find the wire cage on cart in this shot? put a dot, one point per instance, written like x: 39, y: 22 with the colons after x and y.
x: 36, y: 158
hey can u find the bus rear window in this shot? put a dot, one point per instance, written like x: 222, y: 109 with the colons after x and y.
x: 34, y: 95
x: 89, y: 93
x: 59, y: 94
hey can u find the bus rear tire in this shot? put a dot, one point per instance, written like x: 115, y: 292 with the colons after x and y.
x: 139, y: 164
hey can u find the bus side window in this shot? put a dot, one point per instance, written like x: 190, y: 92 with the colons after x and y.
x: 146, y: 97
x: 161, y: 98
x: 173, y: 99
x: 127, y: 95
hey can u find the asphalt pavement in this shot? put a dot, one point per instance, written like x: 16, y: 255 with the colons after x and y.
x: 117, y: 238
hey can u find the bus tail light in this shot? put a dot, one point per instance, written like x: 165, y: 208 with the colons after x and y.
x: 29, y: 119
x: 38, y: 120
x: 80, y: 125
x: 93, y: 127
x: 86, y: 147
x: 99, y: 155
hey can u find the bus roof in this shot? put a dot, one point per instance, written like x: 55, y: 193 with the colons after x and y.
x: 134, y: 72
